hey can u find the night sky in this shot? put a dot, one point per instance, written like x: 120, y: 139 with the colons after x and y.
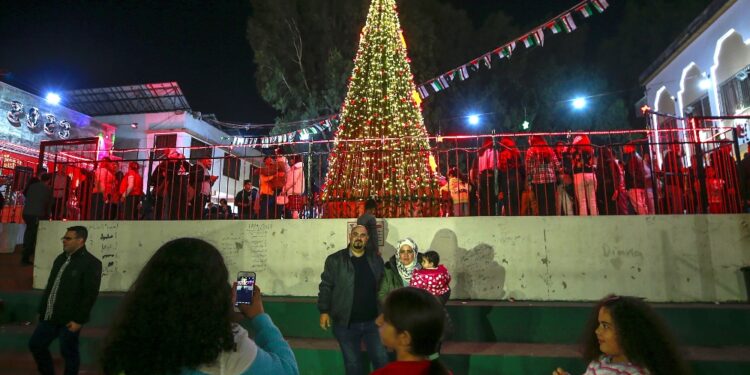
x: 48, y: 45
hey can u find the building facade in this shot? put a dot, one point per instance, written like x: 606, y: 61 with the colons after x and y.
x: 705, y: 71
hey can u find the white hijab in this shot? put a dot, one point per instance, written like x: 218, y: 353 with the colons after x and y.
x: 405, y: 271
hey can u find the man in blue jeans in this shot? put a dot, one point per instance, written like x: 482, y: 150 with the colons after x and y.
x: 348, y: 301
x: 66, y: 304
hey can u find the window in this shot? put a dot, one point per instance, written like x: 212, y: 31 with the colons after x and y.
x: 699, y: 108
x: 164, y: 141
x: 200, y: 153
x: 231, y: 166
x: 735, y: 95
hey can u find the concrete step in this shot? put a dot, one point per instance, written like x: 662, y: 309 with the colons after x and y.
x: 706, y: 325
x: 13, y: 337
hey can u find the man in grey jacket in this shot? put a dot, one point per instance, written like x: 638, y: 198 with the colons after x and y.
x: 348, y: 301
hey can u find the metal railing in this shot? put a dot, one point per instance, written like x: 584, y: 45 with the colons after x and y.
x: 663, y: 171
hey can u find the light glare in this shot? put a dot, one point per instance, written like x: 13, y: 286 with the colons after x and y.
x: 53, y: 98
x: 474, y: 120
x: 579, y: 103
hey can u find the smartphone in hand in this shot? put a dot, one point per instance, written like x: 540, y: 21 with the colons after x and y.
x: 245, y: 285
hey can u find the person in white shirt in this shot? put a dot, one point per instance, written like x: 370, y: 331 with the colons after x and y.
x: 625, y: 336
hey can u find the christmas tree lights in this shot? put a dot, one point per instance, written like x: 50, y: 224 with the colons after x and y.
x: 381, y: 148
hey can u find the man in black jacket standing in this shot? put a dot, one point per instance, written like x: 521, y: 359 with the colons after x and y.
x: 70, y: 294
x: 348, y: 301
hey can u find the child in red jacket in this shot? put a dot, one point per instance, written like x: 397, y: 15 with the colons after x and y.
x: 433, y: 277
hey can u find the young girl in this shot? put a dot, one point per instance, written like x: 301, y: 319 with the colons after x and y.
x: 624, y: 336
x: 433, y: 277
x: 412, y: 324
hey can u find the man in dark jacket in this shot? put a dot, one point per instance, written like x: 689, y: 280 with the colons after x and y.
x: 70, y: 294
x: 347, y: 301
x: 38, y: 198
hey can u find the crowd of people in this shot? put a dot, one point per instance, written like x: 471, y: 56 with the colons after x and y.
x: 580, y: 178
x: 575, y: 178
x: 180, y: 316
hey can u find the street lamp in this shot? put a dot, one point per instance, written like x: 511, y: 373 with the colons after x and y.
x: 53, y: 98
x: 474, y: 120
x: 579, y: 103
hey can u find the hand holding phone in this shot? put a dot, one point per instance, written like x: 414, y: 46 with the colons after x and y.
x: 245, y: 288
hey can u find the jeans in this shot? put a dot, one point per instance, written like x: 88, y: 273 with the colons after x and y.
x: 40, y: 341
x: 350, y: 340
x: 585, y: 188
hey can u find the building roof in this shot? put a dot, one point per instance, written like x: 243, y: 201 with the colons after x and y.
x: 715, y: 9
x: 121, y: 100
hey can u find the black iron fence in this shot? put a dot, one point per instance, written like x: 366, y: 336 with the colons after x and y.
x: 670, y: 170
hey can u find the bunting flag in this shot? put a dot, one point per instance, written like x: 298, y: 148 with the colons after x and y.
x: 423, y: 92
x: 567, y: 23
x: 585, y: 10
x: 475, y: 64
x: 564, y: 23
x: 555, y: 27
x: 507, y: 50
x: 267, y: 141
x: 436, y: 85
x: 461, y: 73
x: 464, y: 73
x: 536, y: 38
x: 444, y: 81
x: 600, y: 5
x: 487, y: 60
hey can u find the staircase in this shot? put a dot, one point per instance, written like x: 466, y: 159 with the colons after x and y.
x: 488, y: 337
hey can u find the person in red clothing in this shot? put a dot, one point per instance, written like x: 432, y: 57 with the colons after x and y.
x: 433, y: 277
x: 131, y: 191
x: 412, y: 324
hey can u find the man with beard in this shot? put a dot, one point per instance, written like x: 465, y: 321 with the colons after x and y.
x: 347, y: 301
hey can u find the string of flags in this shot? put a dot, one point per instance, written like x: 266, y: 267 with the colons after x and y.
x: 563, y: 22
x: 300, y: 134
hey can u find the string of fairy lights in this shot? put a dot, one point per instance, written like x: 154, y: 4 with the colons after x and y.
x: 379, y: 104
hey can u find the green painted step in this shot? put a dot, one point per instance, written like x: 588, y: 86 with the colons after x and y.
x: 523, y: 322
x: 327, y: 359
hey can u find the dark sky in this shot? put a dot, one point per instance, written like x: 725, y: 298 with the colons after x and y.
x: 48, y: 45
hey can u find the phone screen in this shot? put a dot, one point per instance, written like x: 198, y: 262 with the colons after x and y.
x: 245, y: 284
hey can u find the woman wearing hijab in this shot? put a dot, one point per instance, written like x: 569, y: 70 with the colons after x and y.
x: 399, y: 268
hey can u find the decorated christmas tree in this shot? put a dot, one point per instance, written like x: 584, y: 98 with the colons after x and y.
x: 381, y: 148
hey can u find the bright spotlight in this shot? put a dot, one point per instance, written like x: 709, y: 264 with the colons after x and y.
x: 579, y: 103
x: 474, y: 120
x: 53, y: 98
x: 704, y: 84
x: 525, y: 125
